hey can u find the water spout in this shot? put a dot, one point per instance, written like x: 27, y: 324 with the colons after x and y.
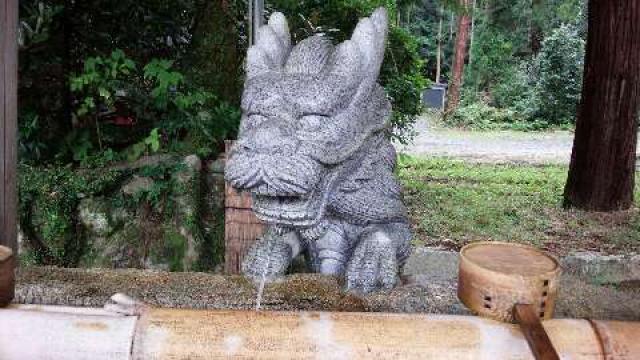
x: 260, y: 291
x: 263, y: 280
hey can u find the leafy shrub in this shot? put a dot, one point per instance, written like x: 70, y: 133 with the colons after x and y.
x: 481, y: 116
x: 31, y: 147
x: 142, y: 109
x: 493, y: 61
x: 403, y: 80
x: 516, y: 90
x: 59, y: 39
x: 534, y: 94
x: 558, y: 73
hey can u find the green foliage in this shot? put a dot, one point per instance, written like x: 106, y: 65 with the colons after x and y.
x: 493, y: 60
x: 516, y: 89
x: 101, y: 79
x: 217, y: 123
x: 532, y: 95
x: 167, y: 110
x: 158, y: 194
x: 403, y: 80
x: 165, y: 81
x: 510, y: 80
x: 85, y: 104
x: 80, y: 145
x: 74, y: 78
x: 552, y: 14
x: 146, y: 146
x: 481, y: 116
x: 30, y: 144
x: 559, y: 69
x: 188, y: 114
x: 36, y: 22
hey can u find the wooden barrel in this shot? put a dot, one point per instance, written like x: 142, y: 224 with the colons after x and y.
x: 7, y: 275
x: 241, y: 226
x: 496, y: 276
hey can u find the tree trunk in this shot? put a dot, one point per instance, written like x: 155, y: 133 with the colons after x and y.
x: 602, y: 171
x: 215, y: 59
x: 439, y: 48
x: 535, y: 35
x: 473, y: 26
x: 457, y: 70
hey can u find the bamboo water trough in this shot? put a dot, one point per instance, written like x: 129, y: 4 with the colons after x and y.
x: 50, y: 332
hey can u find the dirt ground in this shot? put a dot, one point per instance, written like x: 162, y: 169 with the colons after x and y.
x: 552, y: 147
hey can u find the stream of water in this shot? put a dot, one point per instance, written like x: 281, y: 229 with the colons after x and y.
x: 263, y: 280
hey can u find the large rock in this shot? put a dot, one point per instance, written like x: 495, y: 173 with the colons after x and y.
x: 186, y: 197
x: 117, y: 230
x: 119, y: 250
x: 51, y: 234
x: 137, y: 184
x: 98, y: 217
x: 111, y: 237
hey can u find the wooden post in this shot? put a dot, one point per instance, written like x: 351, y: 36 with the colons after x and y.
x: 7, y: 276
x: 255, y: 19
x: 241, y: 226
x: 8, y: 129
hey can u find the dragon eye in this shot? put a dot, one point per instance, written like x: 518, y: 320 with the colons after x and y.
x: 311, y: 122
x: 251, y: 121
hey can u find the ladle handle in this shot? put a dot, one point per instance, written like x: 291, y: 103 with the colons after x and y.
x: 534, y: 332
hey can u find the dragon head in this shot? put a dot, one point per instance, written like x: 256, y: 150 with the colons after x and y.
x: 307, y: 110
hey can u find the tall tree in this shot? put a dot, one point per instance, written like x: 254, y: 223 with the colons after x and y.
x: 457, y: 70
x: 215, y: 58
x: 535, y: 36
x: 601, y: 175
x: 439, y: 46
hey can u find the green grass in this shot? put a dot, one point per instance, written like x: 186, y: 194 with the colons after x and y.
x: 453, y: 202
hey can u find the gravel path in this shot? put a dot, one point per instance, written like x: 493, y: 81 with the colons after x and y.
x: 492, y: 146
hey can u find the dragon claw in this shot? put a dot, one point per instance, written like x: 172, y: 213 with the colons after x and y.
x: 373, y: 266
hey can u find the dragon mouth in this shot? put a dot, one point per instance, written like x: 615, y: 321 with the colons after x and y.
x: 298, y: 211
x: 293, y: 210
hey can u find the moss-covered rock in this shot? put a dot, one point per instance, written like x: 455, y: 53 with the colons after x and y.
x: 169, y: 252
x: 118, y: 250
x: 99, y: 217
x: 166, y: 215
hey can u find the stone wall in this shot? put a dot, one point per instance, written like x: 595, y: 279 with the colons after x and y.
x: 162, y: 212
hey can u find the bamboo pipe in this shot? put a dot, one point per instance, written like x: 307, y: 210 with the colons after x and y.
x: 49, y: 332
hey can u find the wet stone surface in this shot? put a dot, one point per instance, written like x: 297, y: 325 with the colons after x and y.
x: 429, y: 286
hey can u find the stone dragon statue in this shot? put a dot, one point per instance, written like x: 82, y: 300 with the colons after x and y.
x: 313, y: 149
